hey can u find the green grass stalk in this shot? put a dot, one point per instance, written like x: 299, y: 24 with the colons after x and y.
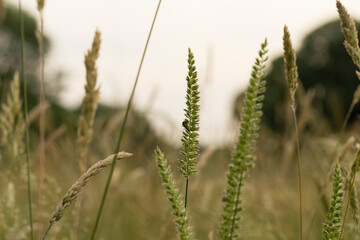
x: 190, y: 137
x: 243, y: 156
x: 331, y: 229
x: 179, y: 211
x: 23, y: 76
x: 122, y: 130
x: 354, y: 170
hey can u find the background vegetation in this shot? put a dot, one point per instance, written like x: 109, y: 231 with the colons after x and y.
x: 137, y: 207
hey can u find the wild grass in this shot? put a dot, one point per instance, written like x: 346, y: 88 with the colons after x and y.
x: 291, y: 75
x: 225, y: 204
x: 27, y: 150
x: 42, y: 119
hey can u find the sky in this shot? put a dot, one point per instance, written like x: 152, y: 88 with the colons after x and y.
x: 224, y: 36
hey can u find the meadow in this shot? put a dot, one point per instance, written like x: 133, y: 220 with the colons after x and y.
x: 110, y: 176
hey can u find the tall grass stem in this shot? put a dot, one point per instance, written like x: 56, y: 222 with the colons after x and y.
x: 122, y: 130
x: 186, y: 191
x: 23, y: 76
x: 350, y: 192
x: 299, y: 169
x: 42, y: 121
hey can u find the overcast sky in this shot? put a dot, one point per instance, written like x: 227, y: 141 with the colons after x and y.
x: 224, y: 35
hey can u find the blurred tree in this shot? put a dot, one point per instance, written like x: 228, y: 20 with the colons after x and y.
x: 324, y: 66
x: 10, y: 50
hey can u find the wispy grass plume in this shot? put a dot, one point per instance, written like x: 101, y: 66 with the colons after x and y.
x: 175, y: 198
x: 12, y: 129
x: 190, y: 137
x: 89, y: 103
x: 291, y: 75
x: 331, y: 229
x: 87, y: 117
x: 77, y: 187
x: 243, y: 156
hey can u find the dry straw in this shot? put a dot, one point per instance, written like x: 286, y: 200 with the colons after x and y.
x: 90, y: 100
x: 76, y: 188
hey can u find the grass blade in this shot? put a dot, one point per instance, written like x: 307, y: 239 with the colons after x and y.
x: 122, y: 130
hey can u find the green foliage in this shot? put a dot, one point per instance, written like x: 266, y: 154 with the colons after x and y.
x: 175, y: 198
x: 243, y: 156
x: 190, y: 137
x: 333, y: 223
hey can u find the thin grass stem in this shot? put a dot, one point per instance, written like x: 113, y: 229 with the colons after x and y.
x: 233, y: 222
x: 299, y: 169
x: 122, y: 130
x: 23, y: 76
x: 186, y: 191
x: 42, y: 121
x: 350, y: 192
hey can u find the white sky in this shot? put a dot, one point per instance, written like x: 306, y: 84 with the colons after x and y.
x: 224, y: 35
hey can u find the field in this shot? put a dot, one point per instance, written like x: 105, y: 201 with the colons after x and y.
x: 104, y: 173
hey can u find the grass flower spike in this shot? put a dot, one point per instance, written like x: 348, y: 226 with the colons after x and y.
x: 351, y: 34
x: 174, y: 196
x: 243, y: 156
x: 332, y: 226
x: 291, y: 75
x: 291, y: 72
x: 190, y: 137
x: 86, y: 121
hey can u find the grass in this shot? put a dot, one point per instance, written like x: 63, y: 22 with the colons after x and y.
x: 137, y: 207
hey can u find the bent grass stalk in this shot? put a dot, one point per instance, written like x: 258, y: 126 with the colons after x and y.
x: 23, y: 76
x: 75, y: 190
x: 122, y: 130
x: 291, y: 75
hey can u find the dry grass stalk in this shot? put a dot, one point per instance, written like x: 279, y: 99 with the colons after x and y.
x: 76, y: 188
x: 42, y: 120
x: 86, y: 121
x: 12, y: 128
x: 90, y: 100
x: 40, y: 5
x: 291, y: 74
